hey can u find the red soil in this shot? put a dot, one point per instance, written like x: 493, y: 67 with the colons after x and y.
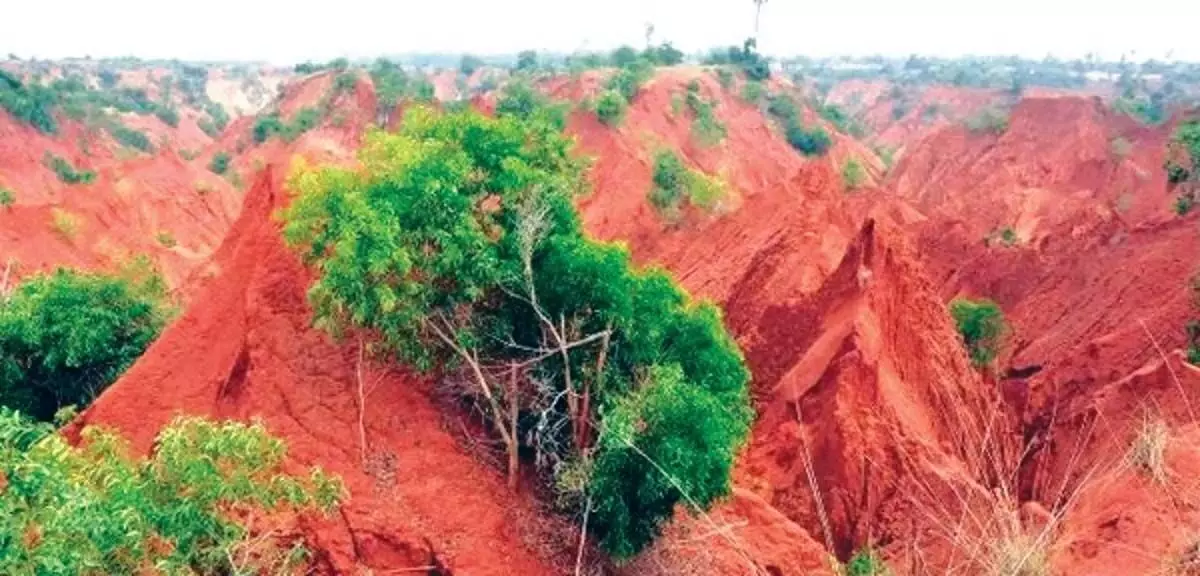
x: 245, y: 349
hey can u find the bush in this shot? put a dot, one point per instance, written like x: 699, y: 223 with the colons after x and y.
x: 65, y: 223
x: 725, y: 78
x: 623, y: 57
x: 664, y: 54
x: 65, y: 336
x: 302, y: 121
x: 7, y: 198
x: 673, y: 182
x: 628, y: 80
x: 33, y: 105
x: 494, y: 198
x: 344, y: 82
x: 982, y: 327
x: 65, y: 171
x: 841, y: 120
x: 527, y: 60
x: 610, y: 107
x: 219, y: 163
x: 989, y: 120
x: 810, y: 142
x: 168, y: 114
x: 1183, y: 161
x: 96, y: 509
x: 753, y: 92
x: 853, y: 174
x: 267, y: 126
x: 865, y: 563
x: 752, y: 64
x: 470, y: 64
x: 129, y: 137
x: 1176, y: 173
x: 707, y: 129
x: 1184, y: 204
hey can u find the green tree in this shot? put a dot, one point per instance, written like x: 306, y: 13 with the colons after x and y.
x: 527, y: 60
x: 219, y: 163
x: 456, y: 247
x: 982, y: 326
x: 813, y: 141
x: 65, y: 336
x: 470, y: 64
x: 7, y: 198
x: 853, y: 174
x: 95, y: 509
x: 610, y: 107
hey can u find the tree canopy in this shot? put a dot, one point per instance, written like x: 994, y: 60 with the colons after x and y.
x: 456, y: 248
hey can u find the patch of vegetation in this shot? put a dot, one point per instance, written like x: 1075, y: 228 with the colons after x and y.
x: 989, y: 120
x: 865, y: 563
x: 853, y: 174
x: 131, y: 138
x: 168, y: 114
x: 706, y: 128
x: 628, y: 80
x: 725, y: 78
x: 65, y: 223
x: 455, y: 241
x: 1004, y: 236
x: 844, y: 122
x: 1149, y: 111
x: 746, y: 58
x: 527, y: 61
x: 302, y: 121
x: 753, y: 92
x: 982, y: 327
x: 665, y: 54
x: 219, y: 163
x: 469, y: 64
x: 610, y: 107
x: 7, y: 197
x: 887, y: 154
x: 1184, y: 203
x: 65, y: 336
x: 1148, y: 451
x: 96, y: 508
x: 166, y: 239
x: 32, y: 104
x: 673, y: 182
x: 521, y: 100
x: 313, y: 67
x: 66, y: 172
x: 813, y: 141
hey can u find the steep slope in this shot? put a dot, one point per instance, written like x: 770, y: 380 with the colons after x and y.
x: 245, y: 349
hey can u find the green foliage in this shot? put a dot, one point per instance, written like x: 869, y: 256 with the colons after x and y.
x: 32, y: 104
x: 1150, y: 112
x: 989, y: 120
x: 628, y: 79
x: 707, y: 129
x: 664, y: 54
x: 166, y: 239
x: 302, y: 121
x: 520, y: 99
x: 623, y: 57
x: 853, y: 174
x: 845, y: 123
x: 96, y: 509
x: 752, y: 64
x: 66, y: 336
x: 65, y: 171
x: 753, y: 92
x: 1176, y: 172
x: 1184, y: 203
x: 813, y: 141
x: 1192, y: 330
x: 1004, y: 236
x: 452, y: 240
x: 1183, y: 161
x: 527, y: 60
x: 470, y: 64
x: 218, y: 115
x: 982, y: 326
x: 610, y: 107
x: 345, y: 81
x: 129, y: 137
x: 725, y: 78
x: 267, y: 126
x: 673, y: 182
x: 865, y: 563
x: 219, y: 163
x: 168, y: 114
x: 7, y: 198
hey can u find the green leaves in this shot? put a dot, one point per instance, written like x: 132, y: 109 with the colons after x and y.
x: 97, y: 510
x: 982, y: 326
x: 457, y: 241
x: 66, y: 336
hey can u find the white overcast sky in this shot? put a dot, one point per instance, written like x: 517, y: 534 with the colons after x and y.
x: 288, y: 31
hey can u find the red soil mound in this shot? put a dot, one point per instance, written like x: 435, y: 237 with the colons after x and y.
x: 174, y: 211
x: 245, y: 349
x: 897, y: 116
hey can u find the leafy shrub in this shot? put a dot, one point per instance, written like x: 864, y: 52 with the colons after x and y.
x: 1193, y: 341
x: 455, y: 239
x: 345, y: 82
x: 813, y: 141
x: 1005, y: 236
x: 220, y: 118
x: 610, y: 107
x: 65, y: 336
x: 664, y: 54
x: 753, y: 92
x: 219, y: 163
x: 65, y: 171
x: 752, y: 64
x: 95, y: 509
x: 168, y: 114
x: 865, y: 563
x: 267, y: 126
x: 982, y: 326
x: 841, y: 120
x: 707, y: 129
x: 1184, y: 203
x: 302, y: 121
x: 623, y: 56
x: 527, y: 60
x: 470, y: 64
x: 1176, y: 173
x: 853, y: 174
x: 725, y: 78
x: 1183, y: 160
x: 628, y: 80
x: 990, y: 120
x: 1150, y: 112
x: 783, y: 108
x: 32, y: 104
x: 673, y: 182
x: 129, y: 137
x: 7, y: 198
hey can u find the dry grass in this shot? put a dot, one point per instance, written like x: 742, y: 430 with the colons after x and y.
x: 65, y: 223
x: 1147, y: 453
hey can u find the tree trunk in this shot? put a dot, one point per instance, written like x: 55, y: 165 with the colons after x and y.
x: 513, y: 407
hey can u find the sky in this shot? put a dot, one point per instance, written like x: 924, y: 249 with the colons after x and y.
x: 285, y: 32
